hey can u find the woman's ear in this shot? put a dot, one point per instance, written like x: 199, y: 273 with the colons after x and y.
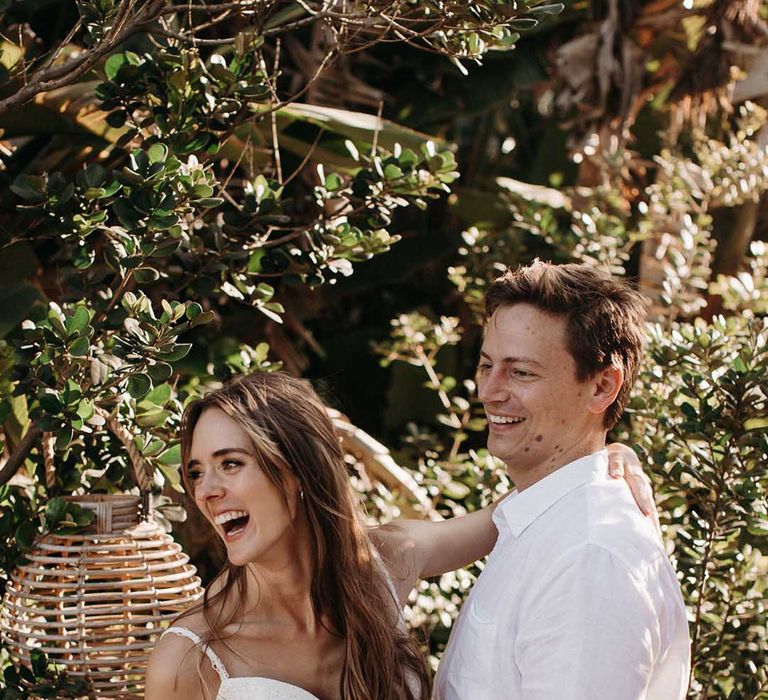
x: 604, y: 388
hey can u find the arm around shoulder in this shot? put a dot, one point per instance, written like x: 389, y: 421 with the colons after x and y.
x: 414, y: 549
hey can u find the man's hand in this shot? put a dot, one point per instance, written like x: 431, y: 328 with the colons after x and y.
x: 624, y: 464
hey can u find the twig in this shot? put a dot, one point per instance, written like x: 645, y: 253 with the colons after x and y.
x: 375, y: 144
x: 275, y: 141
x: 118, y: 292
x: 18, y: 456
x: 306, y: 157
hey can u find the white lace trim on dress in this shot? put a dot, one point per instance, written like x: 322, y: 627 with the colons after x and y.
x: 216, y: 662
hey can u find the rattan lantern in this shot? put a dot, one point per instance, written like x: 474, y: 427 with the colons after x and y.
x: 96, y: 601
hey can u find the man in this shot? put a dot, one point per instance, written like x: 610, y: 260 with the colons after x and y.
x: 578, y: 600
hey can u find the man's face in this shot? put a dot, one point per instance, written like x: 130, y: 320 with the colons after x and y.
x: 539, y: 415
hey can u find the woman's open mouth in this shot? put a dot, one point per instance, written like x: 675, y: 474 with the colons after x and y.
x: 232, y: 522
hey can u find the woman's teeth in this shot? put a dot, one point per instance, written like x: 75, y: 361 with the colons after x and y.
x: 229, y: 515
x: 232, y: 522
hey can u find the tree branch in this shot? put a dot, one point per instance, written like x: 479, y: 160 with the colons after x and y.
x: 18, y: 456
x: 53, y: 77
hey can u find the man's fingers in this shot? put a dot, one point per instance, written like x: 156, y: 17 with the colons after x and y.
x: 617, y: 467
x: 648, y: 505
x: 641, y: 487
x: 657, y: 524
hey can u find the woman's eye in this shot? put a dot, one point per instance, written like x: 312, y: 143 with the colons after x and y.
x: 193, y: 476
x: 231, y: 464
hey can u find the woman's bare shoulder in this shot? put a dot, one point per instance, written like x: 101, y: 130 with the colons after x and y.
x: 177, y: 670
x: 172, y: 673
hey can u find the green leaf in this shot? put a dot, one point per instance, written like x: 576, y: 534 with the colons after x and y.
x: 553, y: 9
x: 25, y: 535
x: 202, y: 191
x: 146, y: 274
x: 203, y: 318
x: 86, y: 409
x: 64, y: 437
x: 139, y: 385
x: 757, y: 526
x: 117, y: 118
x: 71, y: 393
x: 193, y: 310
x: 172, y: 474
x: 160, y: 372
x: 51, y: 403
x: 524, y: 23
x: 163, y: 223
x: 333, y: 182
x: 79, y: 320
x: 254, y: 262
x: 392, y: 172
x: 167, y: 247
x: 181, y: 350
x: 79, y: 347
x: 25, y: 190
x: 159, y: 395
x: 54, y: 512
x: 113, y: 65
x: 153, y: 418
x: 209, y: 202
x: 171, y: 457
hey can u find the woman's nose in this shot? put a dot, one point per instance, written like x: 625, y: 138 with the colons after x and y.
x: 208, y: 486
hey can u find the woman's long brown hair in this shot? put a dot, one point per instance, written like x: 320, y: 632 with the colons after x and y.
x: 293, y: 435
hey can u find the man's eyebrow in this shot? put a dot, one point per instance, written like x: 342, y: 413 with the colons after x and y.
x: 220, y: 453
x: 512, y: 359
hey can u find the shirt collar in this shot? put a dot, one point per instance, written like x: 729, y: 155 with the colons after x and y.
x: 519, y: 510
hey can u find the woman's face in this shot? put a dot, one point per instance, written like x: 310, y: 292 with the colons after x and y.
x: 247, y: 510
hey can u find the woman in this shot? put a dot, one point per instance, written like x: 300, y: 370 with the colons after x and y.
x: 307, y: 606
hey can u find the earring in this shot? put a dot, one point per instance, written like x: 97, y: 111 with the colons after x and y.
x: 301, y: 495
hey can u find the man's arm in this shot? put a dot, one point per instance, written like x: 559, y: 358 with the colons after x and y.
x: 588, y: 631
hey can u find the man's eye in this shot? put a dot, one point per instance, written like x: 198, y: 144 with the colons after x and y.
x: 522, y: 373
x: 483, y: 368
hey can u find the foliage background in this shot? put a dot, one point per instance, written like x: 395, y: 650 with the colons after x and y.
x: 198, y: 190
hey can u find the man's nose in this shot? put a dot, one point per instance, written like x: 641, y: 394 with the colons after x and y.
x: 492, y: 387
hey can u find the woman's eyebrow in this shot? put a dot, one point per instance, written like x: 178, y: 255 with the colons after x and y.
x: 220, y: 453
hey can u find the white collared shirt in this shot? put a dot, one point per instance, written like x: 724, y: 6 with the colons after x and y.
x: 577, y: 601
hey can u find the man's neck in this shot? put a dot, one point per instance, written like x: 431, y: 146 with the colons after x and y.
x: 526, y: 478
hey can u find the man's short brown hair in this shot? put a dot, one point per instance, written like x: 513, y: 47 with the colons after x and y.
x: 605, y: 318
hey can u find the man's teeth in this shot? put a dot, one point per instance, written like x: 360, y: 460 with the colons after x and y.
x: 504, y: 419
x: 229, y: 515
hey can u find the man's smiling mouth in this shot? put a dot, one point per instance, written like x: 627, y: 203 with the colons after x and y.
x: 504, y: 420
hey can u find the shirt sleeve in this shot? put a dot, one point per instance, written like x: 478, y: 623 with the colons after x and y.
x: 590, y: 631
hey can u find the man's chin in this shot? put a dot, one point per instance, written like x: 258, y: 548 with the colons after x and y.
x: 515, y: 456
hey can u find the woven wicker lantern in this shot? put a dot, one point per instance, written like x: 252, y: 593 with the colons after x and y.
x: 96, y: 601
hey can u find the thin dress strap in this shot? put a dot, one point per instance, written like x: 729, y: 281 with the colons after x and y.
x: 216, y: 662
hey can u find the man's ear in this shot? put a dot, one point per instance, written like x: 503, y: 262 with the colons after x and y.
x: 604, y: 388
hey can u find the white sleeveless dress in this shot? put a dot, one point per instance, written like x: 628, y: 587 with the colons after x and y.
x: 245, y: 687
